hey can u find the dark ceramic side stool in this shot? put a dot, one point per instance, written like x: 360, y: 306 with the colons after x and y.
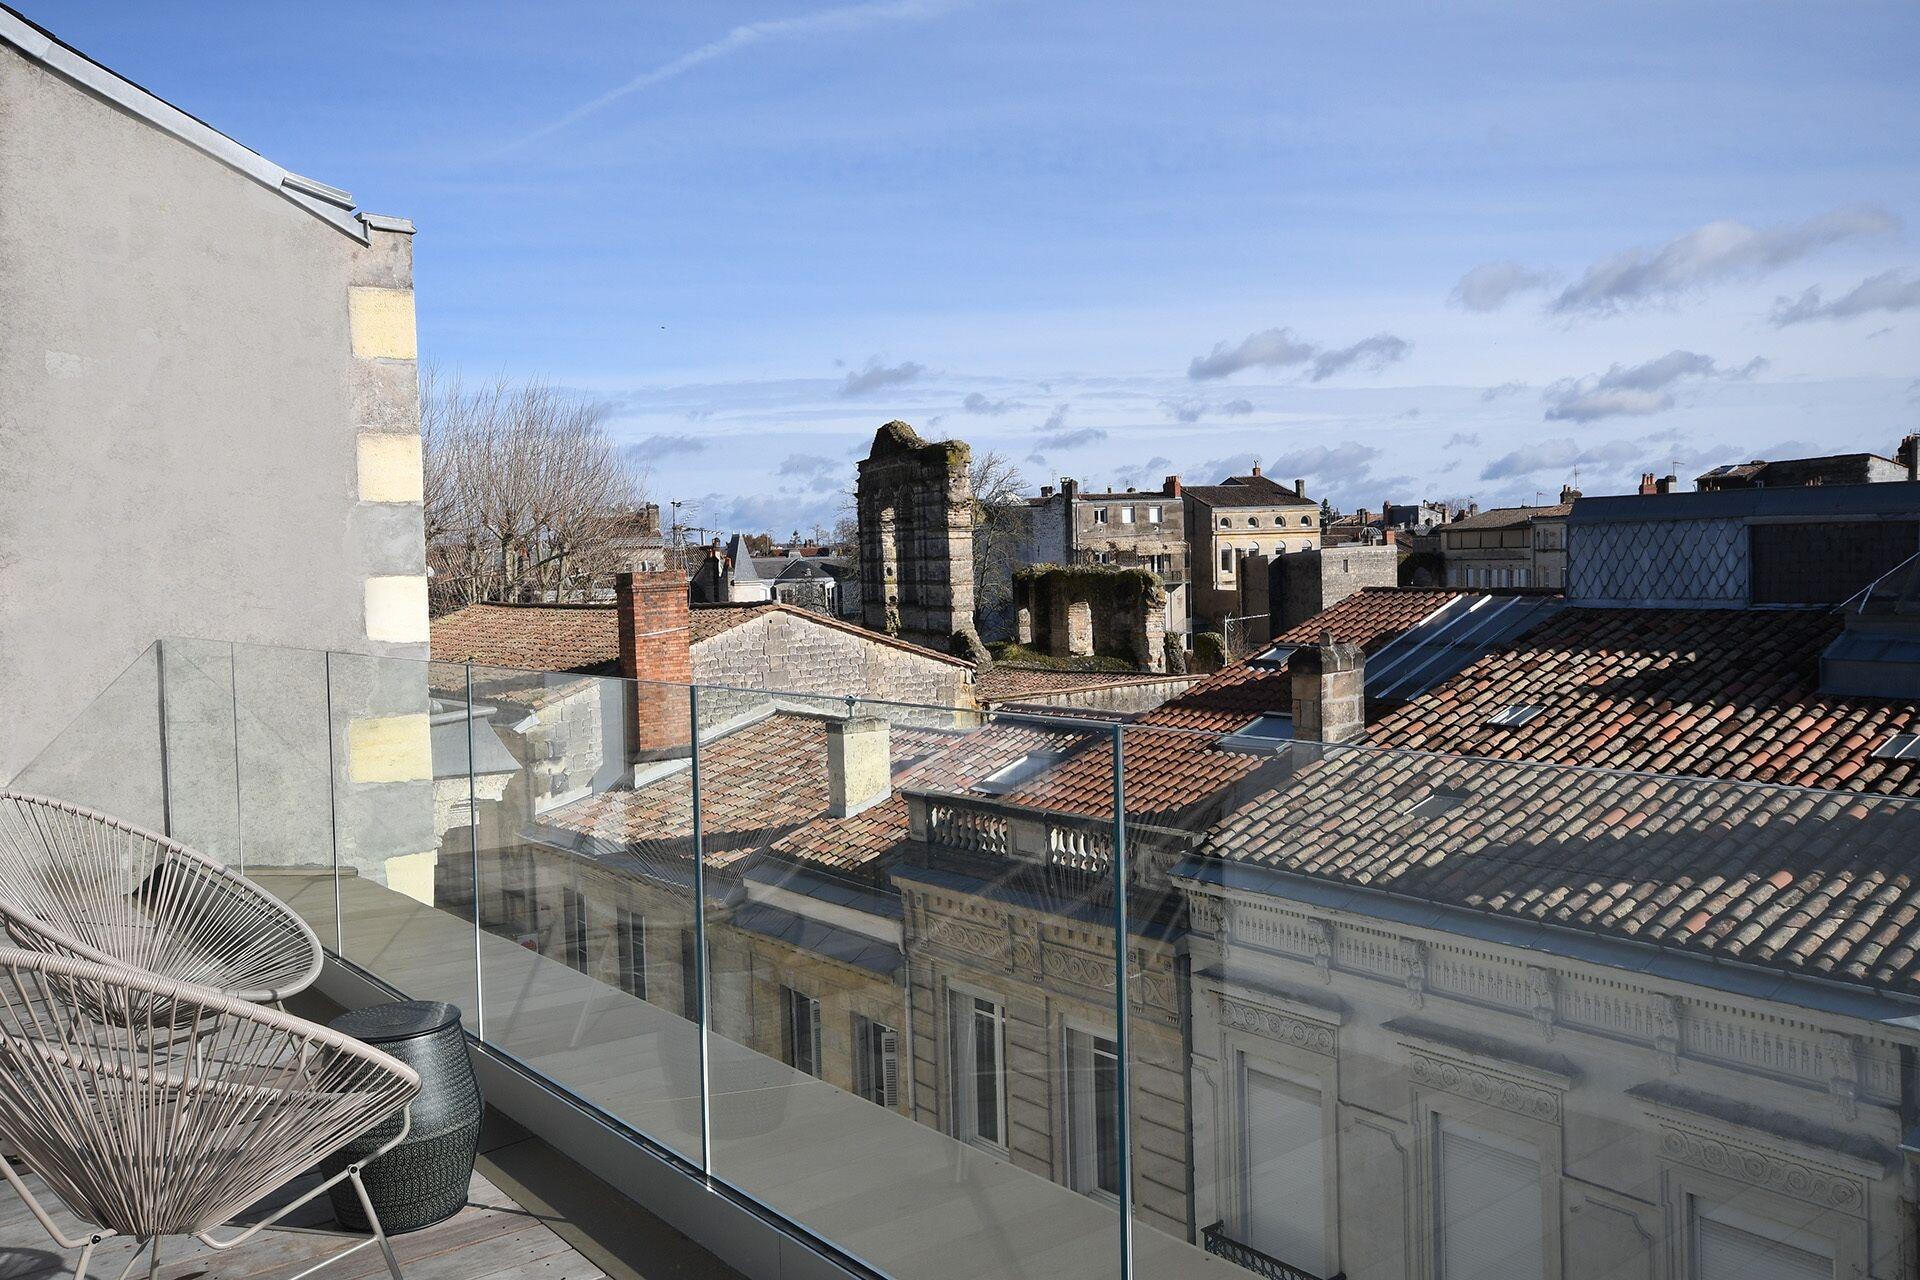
x: 424, y: 1179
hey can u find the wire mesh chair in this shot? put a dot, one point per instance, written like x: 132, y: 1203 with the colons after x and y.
x: 147, y: 1135
x: 88, y: 886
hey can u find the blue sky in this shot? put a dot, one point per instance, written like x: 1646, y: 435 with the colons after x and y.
x: 1396, y: 249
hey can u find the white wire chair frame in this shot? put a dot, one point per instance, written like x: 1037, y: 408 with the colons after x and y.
x: 89, y: 886
x: 148, y: 1135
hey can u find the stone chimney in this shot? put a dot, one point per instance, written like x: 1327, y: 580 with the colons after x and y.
x: 1329, y: 691
x: 1299, y: 488
x: 1666, y: 483
x: 1069, y: 489
x: 1046, y: 491
x: 859, y: 764
x: 1568, y: 494
x: 1256, y: 471
x: 1173, y: 486
x: 1908, y: 455
x: 655, y: 640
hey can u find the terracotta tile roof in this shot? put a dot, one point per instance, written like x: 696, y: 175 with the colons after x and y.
x: 1370, y: 617
x: 585, y: 638
x: 531, y: 637
x: 1818, y: 883
x: 1506, y: 517
x: 1248, y: 491
x: 706, y: 621
x: 759, y: 784
x: 1003, y: 683
x: 1709, y: 692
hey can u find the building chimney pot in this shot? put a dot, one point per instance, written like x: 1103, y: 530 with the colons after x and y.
x: 859, y: 764
x: 1173, y: 486
x: 1299, y: 488
x: 1046, y: 491
x: 1908, y: 454
x: 1648, y: 485
x: 655, y: 653
x: 1329, y: 691
x: 1665, y: 484
x: 1256, y: 470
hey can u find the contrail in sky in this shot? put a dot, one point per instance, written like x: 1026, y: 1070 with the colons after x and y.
x: 843, y: 20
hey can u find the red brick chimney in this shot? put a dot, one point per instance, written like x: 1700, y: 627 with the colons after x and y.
x: 1648, y: 485
x: 1173, y: 486
x: 655, y: 640
x: 1256, y: 470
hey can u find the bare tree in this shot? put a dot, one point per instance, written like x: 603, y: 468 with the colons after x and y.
x: 523, y: 491
x: 999, y: 527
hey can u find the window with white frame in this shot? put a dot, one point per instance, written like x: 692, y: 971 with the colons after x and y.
x: 1726, y: 1244
x: 1283, y: 1170
x: 876, y: 1062
x: 1487, y: 1220
x: 977, y: 1068
x: 1099, y: 515
x: 1093, y: 1113
x: 1126, y: 515
x: 800, y: 1030
x: 630, y: 936
x: 1155, y: 515
x: 1226, y: 559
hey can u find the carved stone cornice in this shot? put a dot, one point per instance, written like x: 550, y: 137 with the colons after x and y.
x: 1285, y: 1028
x: 1430, y: 1070
x: 1760, y: 1166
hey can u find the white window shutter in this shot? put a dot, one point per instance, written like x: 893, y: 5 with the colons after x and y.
x: 1285, y: 1172
x: 1726, y: 1251
x: 1489, y: 1208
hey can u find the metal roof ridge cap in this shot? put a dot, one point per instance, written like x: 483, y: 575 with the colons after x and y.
x: 117, y: 91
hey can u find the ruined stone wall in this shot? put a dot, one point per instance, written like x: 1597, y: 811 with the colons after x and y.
x: 1087, y: 610
x: 915, y: 510
x: 782, y: 653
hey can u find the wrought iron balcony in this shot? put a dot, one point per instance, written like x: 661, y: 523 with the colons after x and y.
x: 1222, y: 1245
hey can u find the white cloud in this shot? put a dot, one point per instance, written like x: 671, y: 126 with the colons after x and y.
x: 1888, y: 291
x: 1504, y: 389
x: 807, y: 464
x: 1370, y: 354
x: 977, y: 403
x: 650, y: 448
x: 1635, y: 390
x: 1194, y: 410
x: 877, y: 375
x: 1488, y: 286
x: 1722, y: 250
x: 1268, y: 349
x: 1560, y: 455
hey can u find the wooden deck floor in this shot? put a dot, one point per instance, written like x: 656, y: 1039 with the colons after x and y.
x: 491, y: 1239
x: 903, y: 1197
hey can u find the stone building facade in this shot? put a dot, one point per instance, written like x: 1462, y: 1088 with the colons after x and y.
x: 1129, y: 529
x: 915, y: 510
x: 213, y: 429
x: 1302, y: 584
x: 1242, y: 516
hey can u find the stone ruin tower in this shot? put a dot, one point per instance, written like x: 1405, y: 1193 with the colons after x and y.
x: 915, y: 507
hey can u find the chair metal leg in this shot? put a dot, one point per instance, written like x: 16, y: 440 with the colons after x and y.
x: 373, y: 1220
x: 86, y: 1256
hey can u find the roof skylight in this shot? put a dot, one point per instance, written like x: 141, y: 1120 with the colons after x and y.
x: 1516, y: 715
x: 1901, y: 746
x: 1441, y: 800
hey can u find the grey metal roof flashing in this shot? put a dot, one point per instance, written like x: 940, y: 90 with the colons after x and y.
x: 328, y: 203
x: 1890, y: 499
